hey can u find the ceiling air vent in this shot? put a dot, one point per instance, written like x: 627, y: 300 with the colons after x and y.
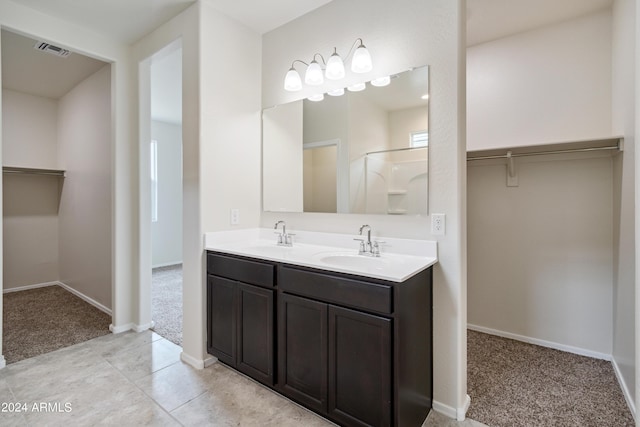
x: 54, y: 50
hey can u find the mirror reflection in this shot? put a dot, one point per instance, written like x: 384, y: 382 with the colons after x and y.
x: 362, y: 152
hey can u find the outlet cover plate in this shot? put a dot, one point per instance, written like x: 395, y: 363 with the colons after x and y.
x: 438, y: 224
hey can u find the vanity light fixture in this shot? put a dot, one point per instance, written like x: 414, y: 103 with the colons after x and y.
x: 313, y: 76
x: 356, y: 87
x: 425, y: 96
x: 381, y: 81
x: 333, y: 68
x: 336, y: 92
x: 316, y: 97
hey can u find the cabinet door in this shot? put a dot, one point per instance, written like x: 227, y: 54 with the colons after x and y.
x: 302, y: 350
x: 359, y: 368
x: 222, y: 309
x: 255, y: 332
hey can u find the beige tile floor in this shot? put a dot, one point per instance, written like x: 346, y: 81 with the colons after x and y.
x: 138, y: 379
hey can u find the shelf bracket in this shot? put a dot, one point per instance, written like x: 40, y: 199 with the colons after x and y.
x: 512, y: 174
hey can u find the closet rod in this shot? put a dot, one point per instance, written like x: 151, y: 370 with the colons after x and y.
x: 538, y: 153
x: 30, y: 171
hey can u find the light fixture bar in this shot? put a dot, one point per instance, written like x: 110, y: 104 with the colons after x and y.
x: 334, y: 68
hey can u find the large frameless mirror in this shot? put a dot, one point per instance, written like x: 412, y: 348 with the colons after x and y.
x: 361, y: 152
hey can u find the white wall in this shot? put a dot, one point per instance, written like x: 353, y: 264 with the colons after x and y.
x: 182, y: 31
x: 220, y: 130
x: 547, y: 85
x: 624, y: 123
x: 30, y: 131
x: 540, y: 254
x: 30, y: 230
x: 84, y: 132
x: 166, y: 232
x: 406, y: 34
x: 30, y: 217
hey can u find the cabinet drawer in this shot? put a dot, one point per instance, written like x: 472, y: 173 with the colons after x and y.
x: 336, y: 289
x: 253, y: 272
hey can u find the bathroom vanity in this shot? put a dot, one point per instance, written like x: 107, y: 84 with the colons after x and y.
x: 325, y: 326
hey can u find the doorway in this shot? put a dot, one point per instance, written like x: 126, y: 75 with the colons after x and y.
x: 57, y: 203
x: 165, y: 183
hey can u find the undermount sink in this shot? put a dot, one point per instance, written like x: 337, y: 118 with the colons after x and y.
x: 353, y: 260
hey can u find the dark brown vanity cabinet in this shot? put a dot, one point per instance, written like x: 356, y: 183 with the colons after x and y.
x: 333, y: 359
x: 353, y: 349
x: 240, y: 315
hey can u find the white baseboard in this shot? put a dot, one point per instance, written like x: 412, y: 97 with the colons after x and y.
x: 210, y: 361
x: 3, y: 362
x: 27, y: 287
x: 625, y: 390
x: 543, y: 343
x: 166, y: 264
x: 122, y: 328
x: 196, y: 363
x: 458, y: 414
x: 66, y: 287
x: 90, y: 300
x: 146, y: 326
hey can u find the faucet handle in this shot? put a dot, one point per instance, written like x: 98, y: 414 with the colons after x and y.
x: 375, y: 250
x: 362, y: 249
x: 288, y: 239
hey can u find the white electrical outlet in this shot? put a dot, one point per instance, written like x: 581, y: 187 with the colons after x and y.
x: 235, y: 216
x: 438, y: 224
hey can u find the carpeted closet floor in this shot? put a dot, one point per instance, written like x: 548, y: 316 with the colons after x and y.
x: 166, y: 302
x: 41, y: 320
x: 513, y: 384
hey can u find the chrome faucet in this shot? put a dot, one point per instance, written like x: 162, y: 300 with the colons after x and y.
x: 284, y: 239
x: 367, y: 247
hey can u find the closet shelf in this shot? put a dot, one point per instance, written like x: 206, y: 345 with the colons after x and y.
x: 613, y: 143
x: 33, y: 171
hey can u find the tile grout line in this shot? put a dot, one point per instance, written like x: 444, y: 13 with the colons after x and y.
x: 138, y: 387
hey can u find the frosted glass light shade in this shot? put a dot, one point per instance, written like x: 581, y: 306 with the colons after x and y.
x: 313, y: 76
x: 357, y: 87
x: 381, y: 81
x: 335, y: 67
x: 361, y: 62
x: 336, y: 92
x: 292, y: 81
x: 316, y: 98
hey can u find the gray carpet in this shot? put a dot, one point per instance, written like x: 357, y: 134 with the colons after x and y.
x: 38, y: 321
x: 166, y: 302
x: 512, y: 384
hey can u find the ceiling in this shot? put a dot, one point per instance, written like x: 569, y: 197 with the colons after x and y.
x: 492, y: 19
x: 127, y: 21
x: 27, y: 70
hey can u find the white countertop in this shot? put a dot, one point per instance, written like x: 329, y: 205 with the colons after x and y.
x: 399, y: 258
